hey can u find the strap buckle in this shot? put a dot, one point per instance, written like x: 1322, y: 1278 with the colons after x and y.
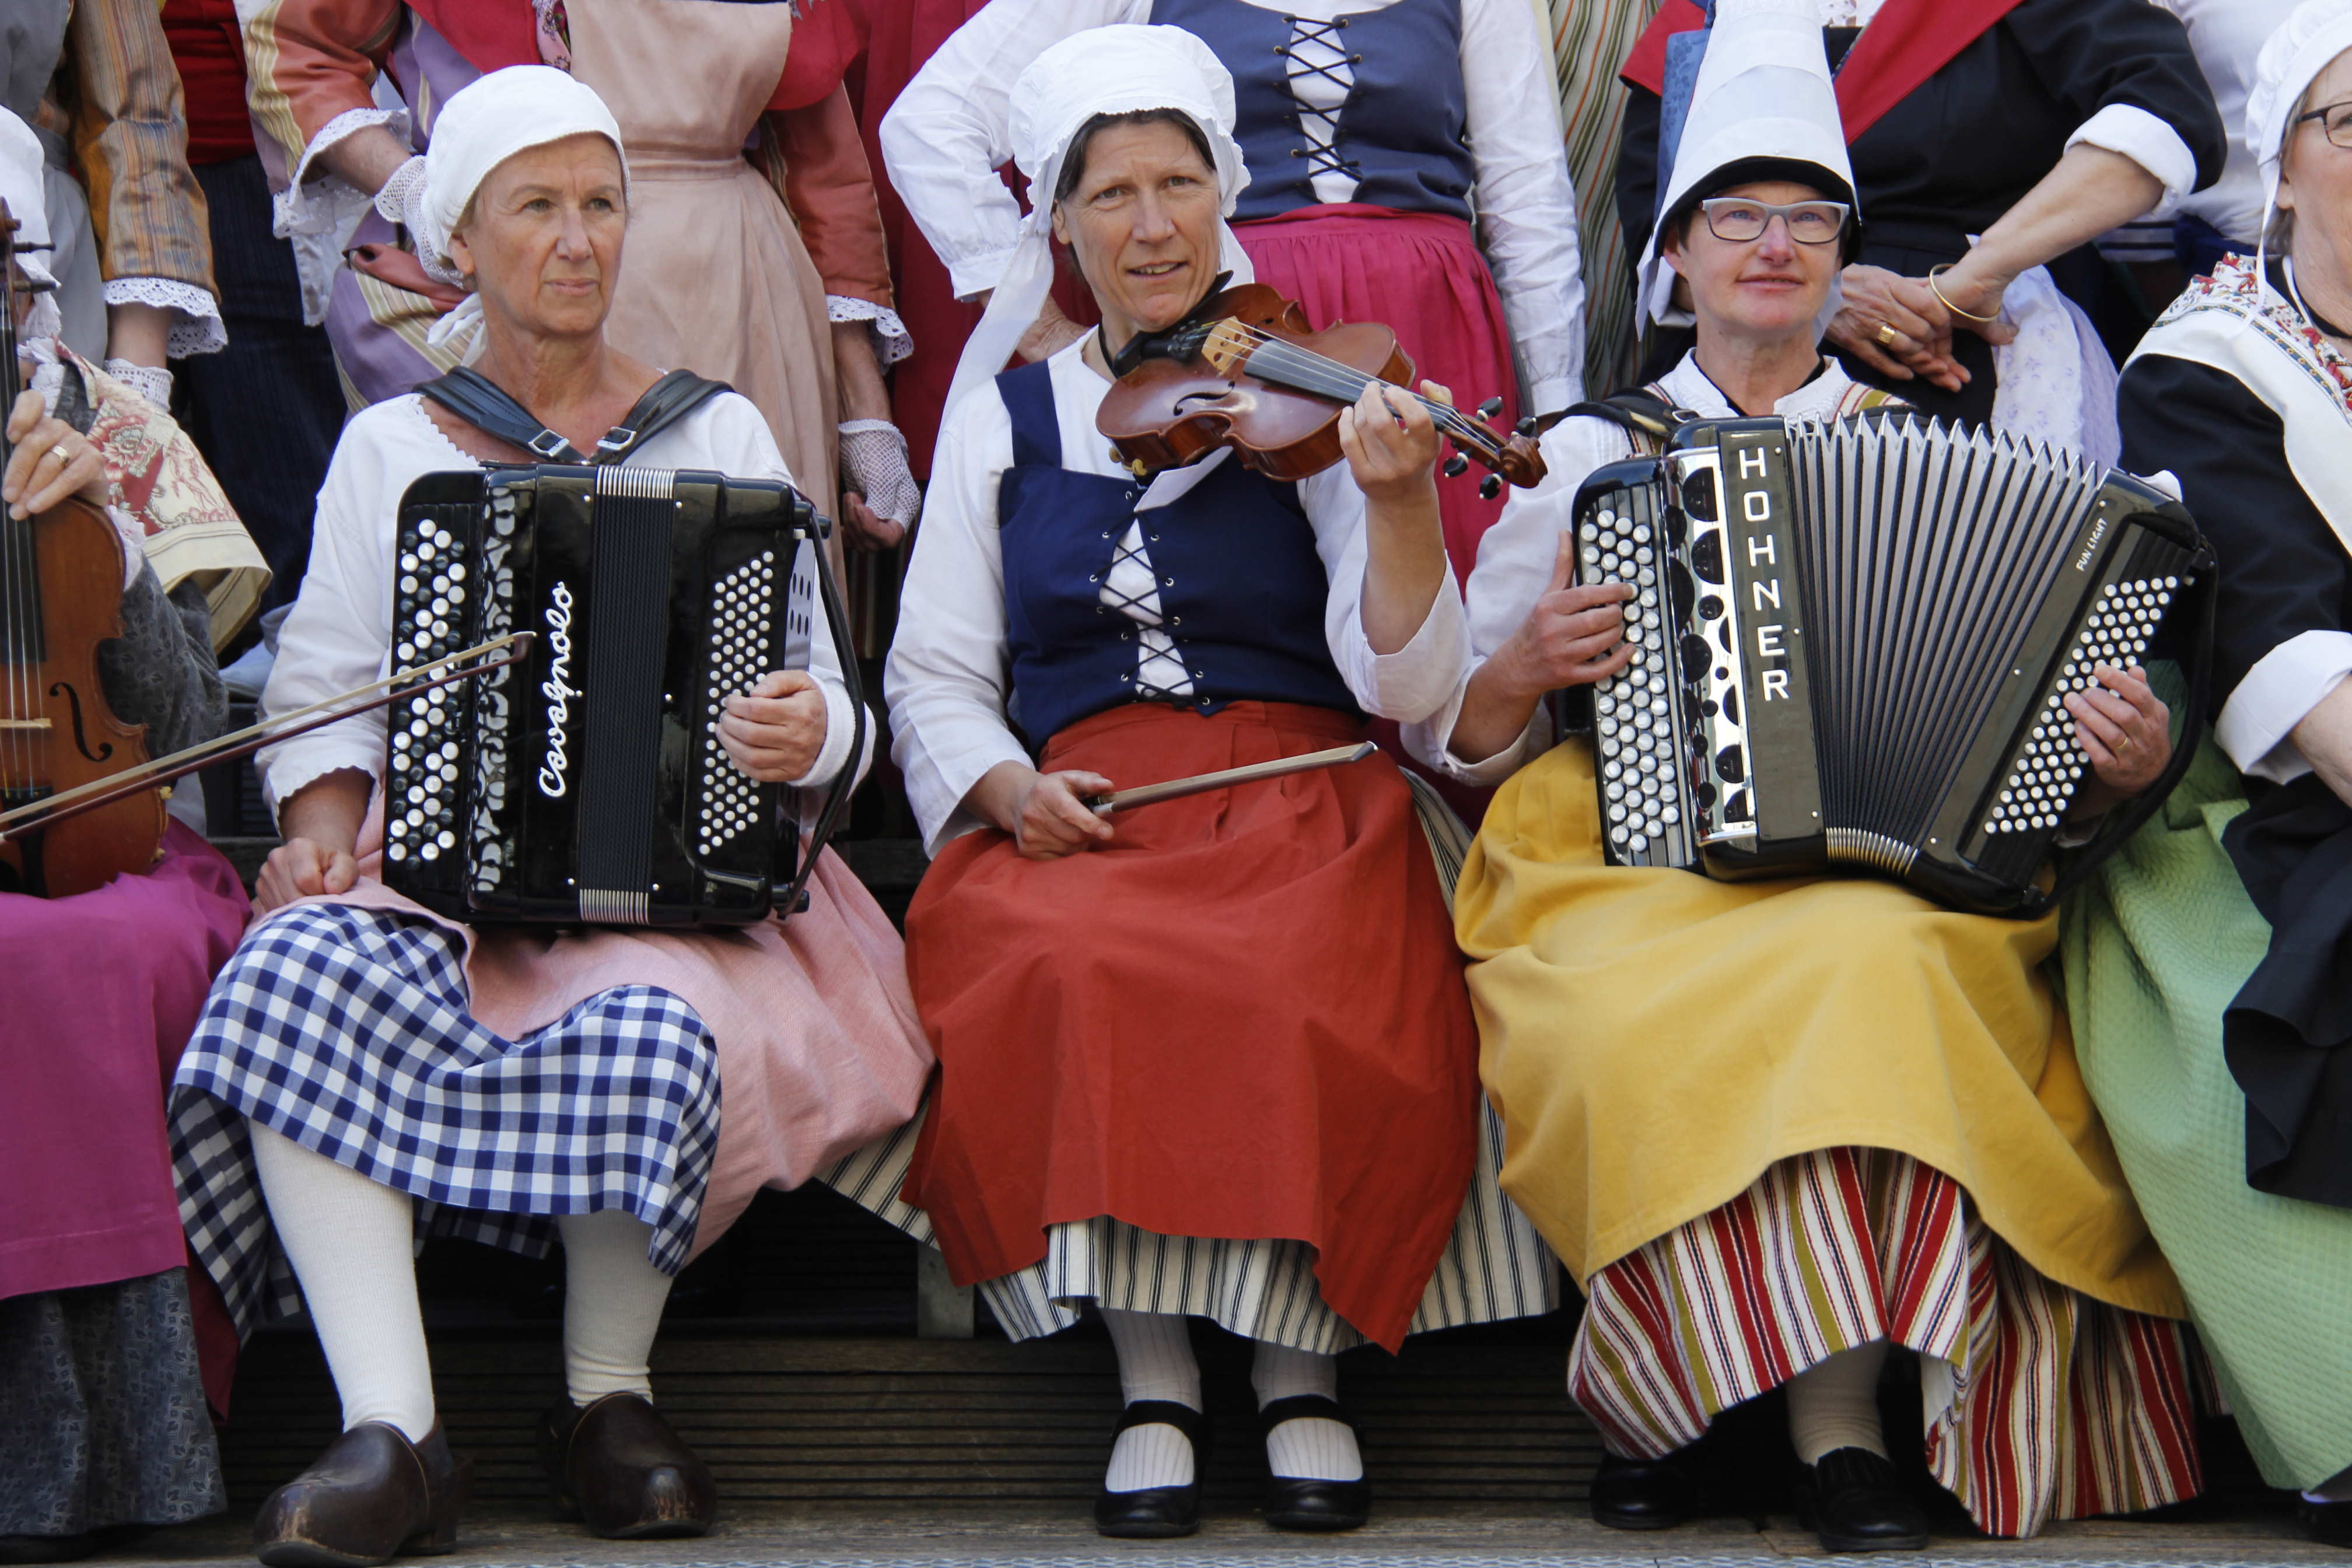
x: 547, y: 444
x: 617, y: 441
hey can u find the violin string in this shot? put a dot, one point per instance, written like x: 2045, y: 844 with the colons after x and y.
x: 1338, y: 378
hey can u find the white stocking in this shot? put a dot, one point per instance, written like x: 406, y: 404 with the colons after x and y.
x: 352, y: 1245
x: 1155, y: 1362
x: 1833, y: 1404
x: 1305, y: 1446
x: 613, y: 1299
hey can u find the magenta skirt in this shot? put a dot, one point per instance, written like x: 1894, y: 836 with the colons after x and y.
x: 1421, y: 274
x: 98, y: 997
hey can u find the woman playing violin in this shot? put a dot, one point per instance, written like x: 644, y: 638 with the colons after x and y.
x: 99, y: 990
x: 1211, y: 1056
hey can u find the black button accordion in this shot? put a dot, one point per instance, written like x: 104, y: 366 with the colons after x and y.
x: 1852, y: 639
x: 585, y: 784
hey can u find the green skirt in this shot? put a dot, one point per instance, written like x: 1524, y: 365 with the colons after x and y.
x: 2153, y: 948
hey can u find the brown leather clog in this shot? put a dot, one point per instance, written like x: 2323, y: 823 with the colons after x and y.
x: 621, y: 1468
x: 371, y: 1496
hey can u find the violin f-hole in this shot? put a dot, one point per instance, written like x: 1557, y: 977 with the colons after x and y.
x: 81, y: 738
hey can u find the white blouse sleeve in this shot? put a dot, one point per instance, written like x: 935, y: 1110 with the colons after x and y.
x: 337, y: 636
x: 1526, y: 205
x: 1516, y: 560
x: 1411, y: 682
x: 949, y: 132
x: 948, y: 674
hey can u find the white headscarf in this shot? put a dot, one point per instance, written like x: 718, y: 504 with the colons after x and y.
x: 20, y: 188
x: 481, y: 126
x: 1104, y: 70
x: 1763, y: 91
x: 2312, y: 35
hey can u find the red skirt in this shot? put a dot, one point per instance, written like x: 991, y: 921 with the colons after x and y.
x: 1422, y: 275
x: 1243, y: 1017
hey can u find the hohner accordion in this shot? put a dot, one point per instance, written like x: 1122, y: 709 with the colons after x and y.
x: 1851, y: 643
x: 585, y: 784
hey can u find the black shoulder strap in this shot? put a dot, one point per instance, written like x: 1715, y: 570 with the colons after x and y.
x: 485, y: 405
x: 1639, y: 411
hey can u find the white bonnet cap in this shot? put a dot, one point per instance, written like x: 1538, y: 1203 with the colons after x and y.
x: 2312, y: 35
x: 491, y: 119
x: 1763, y: 91
x: 20, y: 188
x: 1116, y: 69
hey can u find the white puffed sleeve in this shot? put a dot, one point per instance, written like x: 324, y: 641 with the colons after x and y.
x: 949, y: 672
x: 1411, y: 682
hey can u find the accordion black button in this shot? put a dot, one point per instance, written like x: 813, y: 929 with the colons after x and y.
x: 1707, y: 556
x: 1731, y: 767
x: 1710, y: 608
x: 1735, y: 809
x: 1731, y: 712
x: 1697, y: 655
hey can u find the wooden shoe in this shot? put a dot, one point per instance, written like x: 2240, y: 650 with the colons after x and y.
x: 620, y: 1469
x: 371, y: 1496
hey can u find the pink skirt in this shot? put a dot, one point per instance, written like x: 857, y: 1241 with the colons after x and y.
x: 1422, y: 275
x: 819, y: 1048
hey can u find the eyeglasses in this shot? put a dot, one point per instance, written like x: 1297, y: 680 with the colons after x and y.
x: 2335, y: 120
x: 1739, y: 220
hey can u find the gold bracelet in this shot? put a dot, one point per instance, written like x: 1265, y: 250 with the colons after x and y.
x: 1937, y: 271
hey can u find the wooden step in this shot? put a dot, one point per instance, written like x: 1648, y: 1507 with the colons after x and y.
x: 807, y: 1419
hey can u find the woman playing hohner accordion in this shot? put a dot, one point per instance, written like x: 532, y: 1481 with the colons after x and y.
x: 1775, y: 1127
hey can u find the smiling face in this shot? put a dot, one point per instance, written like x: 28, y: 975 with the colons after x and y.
x: 542, y: 238
x: 2315, y: 186
x: 1766, y: 290
x: 1140, y: 220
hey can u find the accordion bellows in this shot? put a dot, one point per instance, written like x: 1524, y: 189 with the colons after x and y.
x: 586, y: 785
x: 1853, y: 643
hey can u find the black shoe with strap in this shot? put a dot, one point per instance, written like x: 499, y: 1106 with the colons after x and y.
x: 1157, y: 1513
x: 1856, y: 1501
x: 1308, y: 1502
x: 1646, y: 1494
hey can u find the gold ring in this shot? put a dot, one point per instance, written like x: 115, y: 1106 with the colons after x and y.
x: 62, y: 452
x: 1886, y: 334
x: 2124, y: 744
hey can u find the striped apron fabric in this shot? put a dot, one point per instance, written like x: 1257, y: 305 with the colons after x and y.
x: 1495, y: 1266
x: 2039, y: 1402
x: 1591, y: 38
x: 346, y: 1030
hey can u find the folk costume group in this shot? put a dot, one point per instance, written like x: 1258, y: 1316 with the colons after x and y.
x: 1305, y: 1057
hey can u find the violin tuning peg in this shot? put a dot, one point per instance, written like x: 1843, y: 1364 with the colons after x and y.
x: 1489, y: 408
x: 1527, y: 427
x: 1457, y: 466
x: 1490, y: 487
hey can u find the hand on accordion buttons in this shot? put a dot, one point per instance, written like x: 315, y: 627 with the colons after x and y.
x: 2126, y: 730
x: 775, y: 731
x: 1574, y: 636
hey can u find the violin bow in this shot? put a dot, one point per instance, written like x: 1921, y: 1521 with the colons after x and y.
x: 53, y: 809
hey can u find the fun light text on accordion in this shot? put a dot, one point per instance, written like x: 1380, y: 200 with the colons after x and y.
x: 1853, y: 642
x: 588, y: 786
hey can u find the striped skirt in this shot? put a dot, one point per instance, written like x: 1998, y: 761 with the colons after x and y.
x: 1495, y: 1267
x: 2039, y: 1402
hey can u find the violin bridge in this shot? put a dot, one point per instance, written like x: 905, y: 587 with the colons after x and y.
x: 1227, y: 347
x: 24, y: 723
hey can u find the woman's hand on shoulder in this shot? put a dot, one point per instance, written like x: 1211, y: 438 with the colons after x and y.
x: 50, y: 461
x: 1391, y: 441
x: 1574, y: 636
x: 2126, y: 730
x: 775, y: 731
x: 1873, y: 300
x: 302, y: 869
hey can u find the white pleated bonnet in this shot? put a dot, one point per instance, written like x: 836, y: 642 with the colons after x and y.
x: 1115, y: 69
x: 1763, y: 92
x: 2312, y: 35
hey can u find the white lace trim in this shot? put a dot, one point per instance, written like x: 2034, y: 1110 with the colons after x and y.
x: 196, y: 328
x: 319, y: 214
x: 891, y: 340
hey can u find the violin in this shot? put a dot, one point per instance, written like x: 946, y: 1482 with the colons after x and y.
x: 1245, y: 371
x: 60, y: 596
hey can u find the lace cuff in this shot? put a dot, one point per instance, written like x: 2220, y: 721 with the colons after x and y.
x: 197, y: 327
x: 146, y: 380
x: 892, y: 341
x: 318, y: 214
